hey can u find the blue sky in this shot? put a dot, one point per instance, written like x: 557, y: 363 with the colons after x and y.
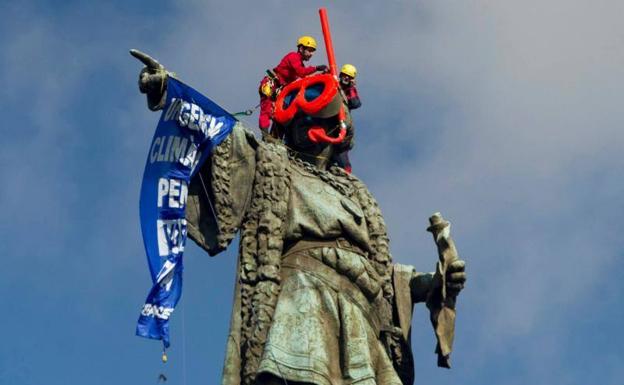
x: 505, y: 116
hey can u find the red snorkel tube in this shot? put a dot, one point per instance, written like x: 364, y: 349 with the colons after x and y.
x: 329, y: 47
x: 319, y: 135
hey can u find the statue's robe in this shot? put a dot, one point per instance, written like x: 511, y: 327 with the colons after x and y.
x: 325, y: 314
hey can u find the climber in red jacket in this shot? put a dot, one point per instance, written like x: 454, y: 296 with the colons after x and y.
x: 287, y: 71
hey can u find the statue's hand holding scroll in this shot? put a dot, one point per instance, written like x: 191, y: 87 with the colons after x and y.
x: 448, y: 281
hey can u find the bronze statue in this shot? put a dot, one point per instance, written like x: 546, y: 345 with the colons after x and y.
x: 318, y: 298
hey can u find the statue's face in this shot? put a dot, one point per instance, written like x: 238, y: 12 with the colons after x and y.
x: 298, y: 132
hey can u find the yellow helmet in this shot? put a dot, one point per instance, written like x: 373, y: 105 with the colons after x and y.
x: 349, y: 69
x: 307, y: 41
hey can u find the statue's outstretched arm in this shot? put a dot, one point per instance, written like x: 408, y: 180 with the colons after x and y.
x: 219, y: 194
x: 152, y: 80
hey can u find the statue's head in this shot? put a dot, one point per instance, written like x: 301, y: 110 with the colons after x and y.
x: 309, y: 112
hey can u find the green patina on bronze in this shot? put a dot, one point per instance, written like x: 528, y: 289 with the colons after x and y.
x: 317, y: 299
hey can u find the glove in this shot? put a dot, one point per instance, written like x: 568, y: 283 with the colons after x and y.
x: 322, y: 68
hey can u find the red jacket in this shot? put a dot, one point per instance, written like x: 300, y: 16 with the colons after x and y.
x: 291, y: 68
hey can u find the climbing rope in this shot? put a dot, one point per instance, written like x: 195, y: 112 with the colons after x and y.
x: 246, y: 112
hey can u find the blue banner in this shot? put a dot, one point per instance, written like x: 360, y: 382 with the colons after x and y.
x: 190, y: 126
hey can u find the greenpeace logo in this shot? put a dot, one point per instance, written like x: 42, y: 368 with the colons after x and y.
x: 151, y: 310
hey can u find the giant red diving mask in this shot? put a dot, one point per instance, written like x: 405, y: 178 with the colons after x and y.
x: 316, y: 96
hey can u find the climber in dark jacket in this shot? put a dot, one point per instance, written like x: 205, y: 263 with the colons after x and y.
x: 347, y: 83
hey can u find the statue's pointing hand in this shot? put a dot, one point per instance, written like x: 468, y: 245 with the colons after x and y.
x: 455, y: 277
x: 146, y: 59
x: 152, y: 80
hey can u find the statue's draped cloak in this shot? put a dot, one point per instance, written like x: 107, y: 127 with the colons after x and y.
x: 272, y: 199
